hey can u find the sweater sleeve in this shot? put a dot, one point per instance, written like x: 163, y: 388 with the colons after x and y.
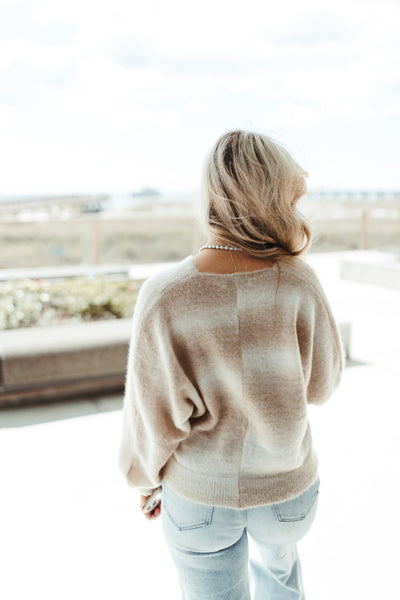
x: 320, y: 347
x: 159, y: 398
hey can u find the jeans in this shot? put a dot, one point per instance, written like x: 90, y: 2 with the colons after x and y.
x: 209, y: 546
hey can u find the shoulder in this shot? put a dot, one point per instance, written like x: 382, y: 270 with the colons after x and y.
x: 312, y: 302
x: 301, y: 276
x: 157, y: 290
x: 306, y: 293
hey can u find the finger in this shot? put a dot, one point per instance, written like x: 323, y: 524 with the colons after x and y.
x: 154, y: 513
x: 143, y: 500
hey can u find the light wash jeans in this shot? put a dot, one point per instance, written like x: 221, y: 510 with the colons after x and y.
x: 209, y: 547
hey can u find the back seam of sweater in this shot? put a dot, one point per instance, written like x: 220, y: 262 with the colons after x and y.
x: 246, y: 426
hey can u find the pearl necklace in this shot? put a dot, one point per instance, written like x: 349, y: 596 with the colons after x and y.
x: 218, y: 247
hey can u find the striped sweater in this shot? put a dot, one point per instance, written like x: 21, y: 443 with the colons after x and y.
x: 220, y: 370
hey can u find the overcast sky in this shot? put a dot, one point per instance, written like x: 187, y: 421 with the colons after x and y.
x: 113, y: 96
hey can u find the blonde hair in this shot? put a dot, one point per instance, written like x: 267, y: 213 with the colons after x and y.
x: 250, y: 188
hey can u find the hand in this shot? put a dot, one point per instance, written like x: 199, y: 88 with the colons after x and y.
x: 154, y: 514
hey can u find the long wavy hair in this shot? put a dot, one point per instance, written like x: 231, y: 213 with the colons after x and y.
x: 250, y: 188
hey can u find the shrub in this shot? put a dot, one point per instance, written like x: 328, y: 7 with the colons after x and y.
x: 28, y: 303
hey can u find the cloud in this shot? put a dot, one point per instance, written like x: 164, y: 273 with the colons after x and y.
x: 30, y: 72
x: 291, y: 114
x: 325, y: 27
x: 132, y: 55
x: 18, y: 21
x: 117, y: 90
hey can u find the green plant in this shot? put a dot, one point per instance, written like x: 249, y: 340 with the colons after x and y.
x: 27, y: 303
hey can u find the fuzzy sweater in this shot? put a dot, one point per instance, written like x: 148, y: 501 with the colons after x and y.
x: 220, y: 370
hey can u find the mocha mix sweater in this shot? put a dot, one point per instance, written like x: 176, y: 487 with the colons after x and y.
x: 221, y: 368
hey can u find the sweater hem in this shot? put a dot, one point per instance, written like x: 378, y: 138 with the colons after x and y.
x: 244, y: 491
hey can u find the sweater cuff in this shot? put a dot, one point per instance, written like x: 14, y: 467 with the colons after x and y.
x: 145, y: 491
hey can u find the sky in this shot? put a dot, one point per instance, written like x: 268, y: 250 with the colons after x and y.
x: 115, y: 96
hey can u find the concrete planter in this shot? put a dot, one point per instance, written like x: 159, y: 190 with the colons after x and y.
x: 42, y: 363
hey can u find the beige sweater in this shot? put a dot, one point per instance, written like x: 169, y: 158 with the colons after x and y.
x: 220, y: 370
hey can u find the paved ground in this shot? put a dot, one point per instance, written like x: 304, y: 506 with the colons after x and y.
x: 70, y: 527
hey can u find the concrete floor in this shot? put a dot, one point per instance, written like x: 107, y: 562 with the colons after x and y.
x: 70, y: 527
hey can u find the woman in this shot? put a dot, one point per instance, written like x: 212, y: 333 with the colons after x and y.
x: 228, y: 347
